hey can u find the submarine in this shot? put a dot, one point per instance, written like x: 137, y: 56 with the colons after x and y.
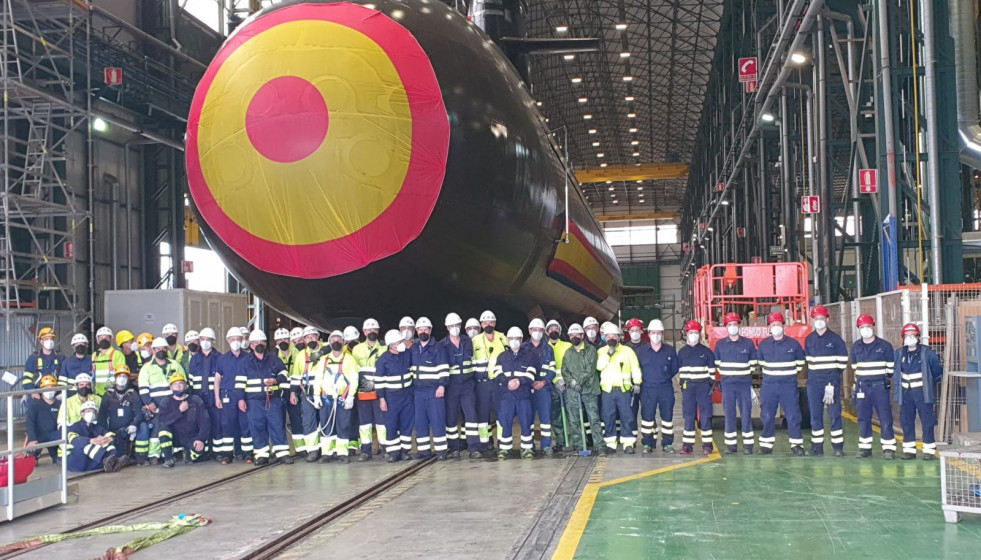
x: 381, y: 159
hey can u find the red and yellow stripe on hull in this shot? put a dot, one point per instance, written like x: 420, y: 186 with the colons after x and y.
x: 577, y: 266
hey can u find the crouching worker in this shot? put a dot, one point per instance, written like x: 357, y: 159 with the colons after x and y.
x: 183, y: 422
x: 121, y: 411
x: 90, y: 445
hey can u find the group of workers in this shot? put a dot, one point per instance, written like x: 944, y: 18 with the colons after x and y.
x: 148, y: 397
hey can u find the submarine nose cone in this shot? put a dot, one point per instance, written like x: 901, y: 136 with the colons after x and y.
x: 317, y: 142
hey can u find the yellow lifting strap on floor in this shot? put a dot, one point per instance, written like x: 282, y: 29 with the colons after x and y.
x: 178, y: 525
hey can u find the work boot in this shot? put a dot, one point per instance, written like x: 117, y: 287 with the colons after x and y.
x: 528, y: 454
x: 364, y: 457
x: 766, y: 450
x: 142, y: 463
x: 731, y: 449
x: 249, y: 460
x: 287, y: 460
x: 707, y: 449
x: 864, y: 453
x: 686, y: 449
x: 839, y: 452
x: 125, y: 461
x: 503, y: 454
x: 817, y: 450
x: 908, y: 456
x: 324, y: 459
x: 548, y: 452
x: 422, y: 456
x: 111, y: 464
x: 648, y: 449
x: 454, y: 455
x: 313, y: 456
x: 476, y: 455
x: 629, y: 450
x: 797, y: 450
x: 929, y: 457
x: 668, y: 449
x: 747, y: 449
x: 889, y: 455
x: 441, y: 456
x: 393, y: 458
x: 344, y: 459
x: 154, y: 461
x: 261, y: 461
x: 168, y: 463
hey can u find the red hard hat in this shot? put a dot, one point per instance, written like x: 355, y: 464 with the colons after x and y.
x: 693, y: 325
x: 635, y: 322
x: 865, y: 321
x: 731, y: 318
x: 775, y: 318
x: 819, y: 311
x: 910, y: 328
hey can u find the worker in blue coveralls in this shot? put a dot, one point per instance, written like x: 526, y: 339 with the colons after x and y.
x: 735, y: 358
x: 658, y: 367
x: 393, y: 381
x: 914, y: 384
x: 781, y: 359
x: 873, y: 361
x: 827, y: 359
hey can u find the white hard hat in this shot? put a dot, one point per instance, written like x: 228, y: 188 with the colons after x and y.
x: 79, y: 338
x: 257, y: 336
x: 590, y: 322
x: 88, y: 405
x: 207, y: 332
x: 452, y: 319
x: 83, y: 378
x: 471, y: 322
x: 244, y: 331
x: 296, y: 333
x: 233, y: 332
x: 159, y: 343
x: 393, y: 337
x: 307, y: 331
x: 281, y: 334
x: 406, y: 322
x: 609, y: 328
x: 104, y: 331
x: 515, y: 332
x: 336, y: 334
x: 424, y: 322
x: 576, y: 328
x: 169, y: 328
x: 351, y: 333
x: 370, y: 324
x: 536, y: 324
x: 191, y: 335
x: 655, y: 325
x: 553, y: 323
x: 488, y: 317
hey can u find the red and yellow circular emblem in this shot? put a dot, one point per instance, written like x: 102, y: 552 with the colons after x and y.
x: 317, y: 140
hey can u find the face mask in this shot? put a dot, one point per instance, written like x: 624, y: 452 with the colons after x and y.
x: 206, y: 345
x: 488, y: 329
x: 733, y: 330
x: 235, y: 345
x: 81, y: 349
x: 656, y: 338
x: 575, y: 340
x: 514, y: 344
x: 301, y: 345
x: 122, y: 382
x: 172, y: 339
x: 84, y: 391
x: 88, y: 417
x: 336, y: 346
x: 103, y: 345
x: 635, y: 337
x: 424, y: 336
x: 910, y: 341
x: 554, y: 335
x: 313, y: 345
x: 284, y: 346
x: 48, y: 395
x: 472, y: 332
x: 145, y: 353
x: 193, y: 347
x: 372, y: 336
x: 407, y: 334
x: 866, y: 332
x: 591, y: 334
x: 178, y: 394
x: 400, y: 347
x: 612, y: 343
x: 260, y: 348
x: 820, y: 324
x: 352, y: 344
x: 776, y: 330
x: 454, y: 331
x: 161, y: 354
x: 48, y: 344
x: 536, y: 336
x: 693, y: 338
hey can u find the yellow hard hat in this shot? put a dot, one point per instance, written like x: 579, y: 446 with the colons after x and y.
x: 46, y: 332
x: 123, y: 336
x: 48, y: 381
x: 144, y: 339
x: 177, y: 376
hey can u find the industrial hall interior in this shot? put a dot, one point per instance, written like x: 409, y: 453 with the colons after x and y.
x: 490, y: 279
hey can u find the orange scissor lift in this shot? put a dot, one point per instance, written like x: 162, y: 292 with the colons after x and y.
x: 753, y: 291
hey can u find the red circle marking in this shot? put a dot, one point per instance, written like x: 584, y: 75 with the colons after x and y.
x: 405, y: 218
x: 287, y: 119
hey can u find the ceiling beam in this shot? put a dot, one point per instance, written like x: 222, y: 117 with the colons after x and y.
x: 639, y: 216
x: 643, y: 172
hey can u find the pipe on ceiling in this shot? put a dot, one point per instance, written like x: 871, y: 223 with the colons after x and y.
x: 965, y: 63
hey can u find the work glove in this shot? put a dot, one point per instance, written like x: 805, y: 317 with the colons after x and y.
x: 574, y: 385
x: 829, y: 395
x: 636, y: 389
x: 854, y: 391
x: 349, y: 403
x: 318, y: 402
x: 132, y: 432
x: 560, y: 384
x: 756, y: 397
x: 367, y: 385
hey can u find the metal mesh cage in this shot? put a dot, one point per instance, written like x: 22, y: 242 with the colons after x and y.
x: 960, y: 482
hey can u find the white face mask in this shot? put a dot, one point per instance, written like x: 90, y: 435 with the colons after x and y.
x: 910, y: 341
x: 206, y: 345
x: 235, y: 345
x: 400, y: 347
x: 776, y: 330
x: 89, y: 417
x: 49, y: 395
x: 454, y: 331
x: 591, y: 333
x: 514, y: 344
x: 733, y: 330
x: 656, y: 338
x: 693, y: 338
x: 820, y: 324
x: 122, y: 382
x: 635, y: 337
x: 536, y: 336
x: 407, y: 334
x: 145, y: 353
x: 472, y: 332
x: 48, y: 344
x: 866, y: 332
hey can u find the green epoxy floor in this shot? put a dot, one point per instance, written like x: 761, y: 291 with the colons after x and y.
x: 780, y: 506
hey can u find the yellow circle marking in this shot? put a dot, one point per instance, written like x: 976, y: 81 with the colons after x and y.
x: 356, y: 172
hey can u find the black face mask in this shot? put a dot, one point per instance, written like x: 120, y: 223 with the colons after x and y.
x: 161, y: 354
x: 554, y: 335
x: 260, y: 348
x: 193, y: 347
x: 84, y: 391
x: 312, y: 346
x: 336, y: 346
x: 424, y: 337
x: 612, y: 343
x: 172, y: 340
x: 488, y: 329
x: 301, y: 345
x: 575, y: 340
x: 372, y: 336
x: 104, y: 344
x: 284, y: 346
x: 81, y: 349
x: 352, y: 344
x: 178, y: 394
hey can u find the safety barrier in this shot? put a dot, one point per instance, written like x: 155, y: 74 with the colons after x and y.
x: 960, y: 482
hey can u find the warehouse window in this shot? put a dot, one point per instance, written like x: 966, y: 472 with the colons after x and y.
x: 660, y: 234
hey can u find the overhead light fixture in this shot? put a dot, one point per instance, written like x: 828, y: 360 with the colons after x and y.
x: 99, y: 125
x: 636, y: 154
x: 611, y: 189
x: 561, y: 28
x: 624, y: 54
x: 767, y: 117
x: 601, y: 154
x: 633, y: 130
x: 603, y: 164
x: 638, y: 182
x: 583, y: 99
x: 609, y: 183
x: 725, y: 203
x: 616, y: 201
x: 710, y: 228
x: 621, y: 27
x: 596, y: 144
x: 577, y: 80
x: 539, y: 103
x: 629, y: 98
x: 631, y: 115
x: 640, y: 188
x: 628, y: 78
x: 592, y: 131
x: 568, y: 57
x: 587, y: 116
x: 634, y: 143
x: 798, y: 58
